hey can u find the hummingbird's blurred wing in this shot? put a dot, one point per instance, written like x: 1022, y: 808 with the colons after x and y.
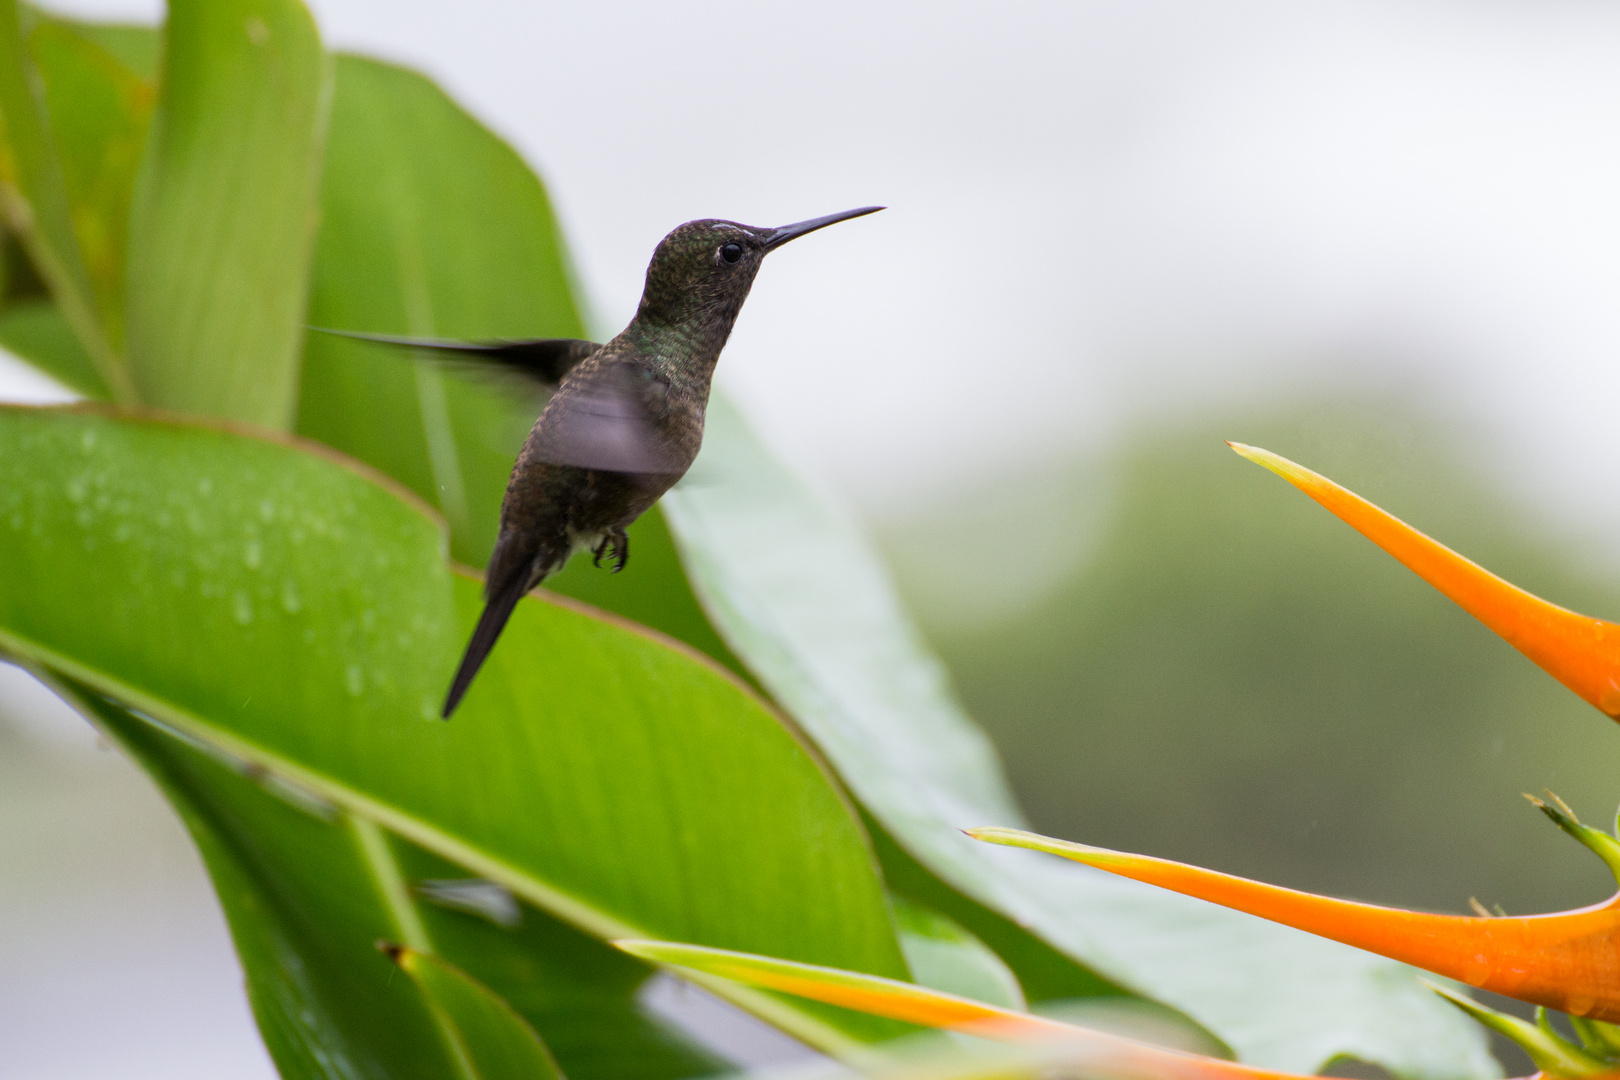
x: 543, y: 361
x: 613, y: 419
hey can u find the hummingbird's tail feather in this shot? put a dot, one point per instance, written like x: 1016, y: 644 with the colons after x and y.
x: 497, y: 609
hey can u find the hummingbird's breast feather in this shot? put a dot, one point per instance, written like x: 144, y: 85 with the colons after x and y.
x: 618, y: 415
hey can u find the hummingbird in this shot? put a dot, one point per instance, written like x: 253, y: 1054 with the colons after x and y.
x: 625, y: 420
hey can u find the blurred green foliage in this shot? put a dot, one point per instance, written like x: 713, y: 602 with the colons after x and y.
x: 1234, y: 678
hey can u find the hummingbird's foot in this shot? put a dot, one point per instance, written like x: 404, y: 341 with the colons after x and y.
x: 618, y: 542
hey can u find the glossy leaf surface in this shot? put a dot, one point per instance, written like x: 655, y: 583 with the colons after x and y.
x: 306, y: 901
x: 300, y: 617
x: 224, y: 211
x: 798, y: 594
x: 304, y: 906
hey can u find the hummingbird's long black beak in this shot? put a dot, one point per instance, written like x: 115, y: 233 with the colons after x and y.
x: 794, y: 231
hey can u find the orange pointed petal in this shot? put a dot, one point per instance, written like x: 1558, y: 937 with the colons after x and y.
x: 1580, y: 652
x: 1108, y: 1054
x: 1569, y: 961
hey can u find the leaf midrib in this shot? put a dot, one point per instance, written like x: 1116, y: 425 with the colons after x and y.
x: 567, y: 908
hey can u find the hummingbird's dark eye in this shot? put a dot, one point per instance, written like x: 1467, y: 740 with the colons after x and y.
x: 731, y: 252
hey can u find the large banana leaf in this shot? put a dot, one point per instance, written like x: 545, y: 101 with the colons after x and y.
x: 308, y: 891
x: 298, y: 617
x: 304, y: 905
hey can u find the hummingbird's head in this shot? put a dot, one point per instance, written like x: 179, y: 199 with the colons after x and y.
x: 701, y: 272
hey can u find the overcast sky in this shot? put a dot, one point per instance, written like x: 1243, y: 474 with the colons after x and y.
x: 1098, y: 210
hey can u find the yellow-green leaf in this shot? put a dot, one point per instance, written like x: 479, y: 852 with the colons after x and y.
x: 224, y: 213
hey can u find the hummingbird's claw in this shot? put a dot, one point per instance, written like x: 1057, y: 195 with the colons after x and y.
x: 618, y: 542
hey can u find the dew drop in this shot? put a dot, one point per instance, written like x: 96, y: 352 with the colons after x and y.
x: 291, y: 602
x: 77, y: 488
x: 252, y: 555
x: 242, y: 607
x: 205, y: 487
x: 87, y: 441
x: 267, y: 511
x: 356, y: 680
x: 1477, y: 970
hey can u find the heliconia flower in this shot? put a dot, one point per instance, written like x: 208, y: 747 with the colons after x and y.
x: 1581, y: 652
x: 1095, y: 1051
x: 1568, y: 961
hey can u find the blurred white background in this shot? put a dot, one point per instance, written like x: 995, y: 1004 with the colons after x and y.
x: 1099, y: 212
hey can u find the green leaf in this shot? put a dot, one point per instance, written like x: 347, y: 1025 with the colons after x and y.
x: 37, y: 332
x: 944, y: 956
x: 433, y: 226
x: 304, y: 909
x: 1604, y: 845
x: 139, y: 48
x: 1553, y: 1054
x: 34, y: 197
x: 224, y: 213
x: 494, y: 1039
x: 306, y: 902
x: 797, y: 592
x: 99, y: 112
x: 299, y: 616
x: 579, y: 993
x: 1044, y: 974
